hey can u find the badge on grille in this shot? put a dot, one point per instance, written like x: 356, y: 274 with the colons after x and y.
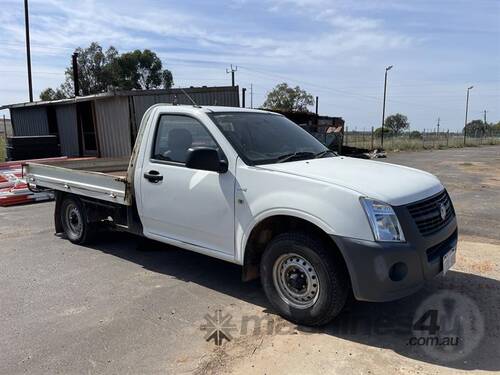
x: 442, y: 211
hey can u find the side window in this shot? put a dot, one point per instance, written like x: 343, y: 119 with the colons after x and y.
x: 176, y: 135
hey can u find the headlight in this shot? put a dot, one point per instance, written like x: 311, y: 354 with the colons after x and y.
x: 383, y: 220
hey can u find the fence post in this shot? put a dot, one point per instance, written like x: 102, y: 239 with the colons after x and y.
x: 423, y: 139
x: 372, y: 138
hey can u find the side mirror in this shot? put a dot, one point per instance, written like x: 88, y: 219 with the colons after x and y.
x: 205, y: 159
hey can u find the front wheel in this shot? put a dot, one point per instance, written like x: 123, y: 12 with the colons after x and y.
x: 74, y: 221
x: 303, y: 279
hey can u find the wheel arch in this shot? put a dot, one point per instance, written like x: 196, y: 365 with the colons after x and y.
x: 269, y: 226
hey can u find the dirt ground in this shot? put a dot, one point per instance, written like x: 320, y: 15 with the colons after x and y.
x: 374, y: 345
x: 111, y: 309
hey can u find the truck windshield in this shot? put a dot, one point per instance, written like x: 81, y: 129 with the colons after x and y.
x: 265, y: 138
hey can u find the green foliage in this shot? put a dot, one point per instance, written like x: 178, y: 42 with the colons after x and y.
x: 100, y: 70
x: 477, y: 128
x: 378, y: 132
x: 415, y: 134
x: 397, y: 123
x: 140, y: 70
x: 51, y: 94
x: 288, y: 99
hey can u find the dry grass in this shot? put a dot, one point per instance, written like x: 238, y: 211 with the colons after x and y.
x: 2, y: 148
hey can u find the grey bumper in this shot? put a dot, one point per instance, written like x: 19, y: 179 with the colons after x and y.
x: 387, y: 271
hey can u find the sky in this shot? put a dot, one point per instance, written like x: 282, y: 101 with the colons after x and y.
x: 335, y: 49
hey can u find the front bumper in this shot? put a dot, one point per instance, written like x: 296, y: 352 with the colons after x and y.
x: 385, y: 271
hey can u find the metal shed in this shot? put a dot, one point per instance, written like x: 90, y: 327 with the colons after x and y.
x: 105, y: 125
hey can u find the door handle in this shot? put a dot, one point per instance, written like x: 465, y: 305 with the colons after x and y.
x: 153, y: 176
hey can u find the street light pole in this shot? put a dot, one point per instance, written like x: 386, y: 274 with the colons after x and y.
x: 28, y: 52
x: 383, y: 107
x: 466, y: 113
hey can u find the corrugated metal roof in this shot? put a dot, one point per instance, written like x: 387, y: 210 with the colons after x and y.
x: 221, y: 93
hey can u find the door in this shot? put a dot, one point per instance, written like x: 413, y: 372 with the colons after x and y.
x: 188, y: 205
x: 87, y: 129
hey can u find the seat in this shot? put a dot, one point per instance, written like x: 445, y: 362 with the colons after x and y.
x: 178, y: 142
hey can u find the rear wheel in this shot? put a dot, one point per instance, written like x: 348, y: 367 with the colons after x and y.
x: 74, y: 221
x: 303, y: 279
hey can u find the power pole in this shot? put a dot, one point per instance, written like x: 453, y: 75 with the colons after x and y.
x: 76, y: 77
x: 28, y: 49
x: 466, y: 113
x: 251, y: 95
x: 232, y: 71
x: 243, y: 97
x: 383, y: 107
x: 485, y: 116
x: 317, y: 100
x: 439, y: 120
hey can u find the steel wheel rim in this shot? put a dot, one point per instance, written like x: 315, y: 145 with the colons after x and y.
x: 74, y: 220
x: 296, y: 281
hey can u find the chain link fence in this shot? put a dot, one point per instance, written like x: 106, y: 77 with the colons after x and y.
x: 415, y: 140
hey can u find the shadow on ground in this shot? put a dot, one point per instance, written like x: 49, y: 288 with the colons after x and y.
x: 380, y: 325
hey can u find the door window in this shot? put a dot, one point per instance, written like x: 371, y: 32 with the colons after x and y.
x: 176, y: 135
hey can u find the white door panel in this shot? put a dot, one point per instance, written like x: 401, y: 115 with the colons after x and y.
x: 190, y: 206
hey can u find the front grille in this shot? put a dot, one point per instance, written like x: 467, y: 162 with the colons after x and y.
x: 442, y: 248
x: 427, y: 213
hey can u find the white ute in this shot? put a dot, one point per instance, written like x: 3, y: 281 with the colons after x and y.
x: 252, y: 188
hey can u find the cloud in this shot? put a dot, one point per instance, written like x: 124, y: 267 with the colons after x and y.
x: 322, y: 45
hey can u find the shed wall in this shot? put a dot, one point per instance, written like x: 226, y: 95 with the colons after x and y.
x: 113, y: 127
x: 29, y: 121
x: 68, y: 130
x: 228, y: 97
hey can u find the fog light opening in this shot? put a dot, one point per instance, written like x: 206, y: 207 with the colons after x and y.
x: 398, y: 271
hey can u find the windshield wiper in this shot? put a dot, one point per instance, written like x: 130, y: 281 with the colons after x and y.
x: 294, y: 155
x: 319, y: 155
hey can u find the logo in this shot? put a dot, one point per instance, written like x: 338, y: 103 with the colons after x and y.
x: 218, y: 327
x: 448, y: 326
x: 442, y: 211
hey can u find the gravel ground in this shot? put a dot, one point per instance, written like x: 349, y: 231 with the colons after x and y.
x: 117, y: 308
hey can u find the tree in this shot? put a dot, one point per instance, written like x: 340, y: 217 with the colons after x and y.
x: 99, y: 70
x: 476, y: 128
x: 50, y: 94
x: 378, y: 132
x: 140, y: 70
x: 397, y: 123
x: 288, y: 99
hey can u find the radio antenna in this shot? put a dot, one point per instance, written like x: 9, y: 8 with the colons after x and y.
x: 189, y: 97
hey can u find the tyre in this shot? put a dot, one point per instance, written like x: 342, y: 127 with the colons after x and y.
x: 303, y: 279
x: 74, y: 221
